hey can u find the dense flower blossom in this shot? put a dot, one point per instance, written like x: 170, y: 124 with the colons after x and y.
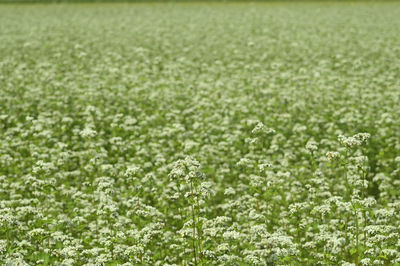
x: 249, y: 134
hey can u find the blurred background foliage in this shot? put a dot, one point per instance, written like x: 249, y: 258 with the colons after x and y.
x: 185, y: 1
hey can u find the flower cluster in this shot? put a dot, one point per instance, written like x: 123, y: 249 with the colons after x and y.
x: 199, y: 135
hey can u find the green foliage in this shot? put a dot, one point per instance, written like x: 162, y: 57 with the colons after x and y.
x: 184, y: 1
x: 248, y: 134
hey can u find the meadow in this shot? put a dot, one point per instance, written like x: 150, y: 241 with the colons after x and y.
x: 200, y: 134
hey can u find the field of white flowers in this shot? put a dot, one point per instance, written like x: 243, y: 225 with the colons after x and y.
x: 193, y: 134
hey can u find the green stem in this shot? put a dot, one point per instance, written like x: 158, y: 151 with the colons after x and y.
x: 357, y: 238
x: 194, y: 228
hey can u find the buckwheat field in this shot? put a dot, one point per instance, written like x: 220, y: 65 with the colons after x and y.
x: 200, y: 134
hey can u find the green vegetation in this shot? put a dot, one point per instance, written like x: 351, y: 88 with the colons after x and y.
x: 186, y: 1
x: 194, y: 134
